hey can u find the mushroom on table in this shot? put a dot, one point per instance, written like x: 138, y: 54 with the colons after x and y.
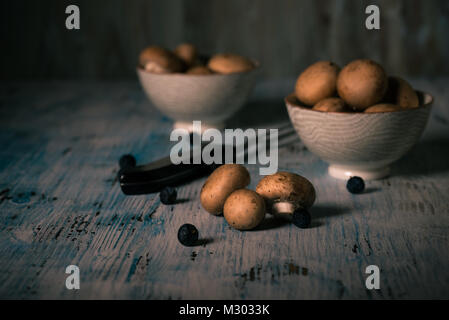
x: 244, y: 209
x: 284, y: 192
x: 220, y: 184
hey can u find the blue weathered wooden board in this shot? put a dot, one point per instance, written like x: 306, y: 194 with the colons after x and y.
x: 60, y: 204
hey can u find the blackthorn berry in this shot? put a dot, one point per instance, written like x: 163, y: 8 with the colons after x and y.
x: 301, y: 218
x: 188, y: 234
x: 355, y: 185
x: 127, y: 161
x: 168, y: 195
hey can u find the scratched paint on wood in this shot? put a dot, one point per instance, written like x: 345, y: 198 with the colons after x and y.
x: 60, y: 204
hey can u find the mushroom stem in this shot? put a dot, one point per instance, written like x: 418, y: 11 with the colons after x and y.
x: 284, y: 209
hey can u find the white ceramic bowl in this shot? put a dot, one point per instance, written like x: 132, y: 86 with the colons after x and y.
x: 359, y: 144
x: 210, y: 98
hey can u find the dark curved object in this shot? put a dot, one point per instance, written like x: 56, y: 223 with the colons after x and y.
x: 157, y: 175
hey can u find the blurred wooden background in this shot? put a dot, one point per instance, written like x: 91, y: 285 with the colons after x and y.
x: 284, y: 35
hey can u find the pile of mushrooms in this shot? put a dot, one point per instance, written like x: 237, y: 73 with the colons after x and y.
x: 279, y: 194
x: 186, y: 59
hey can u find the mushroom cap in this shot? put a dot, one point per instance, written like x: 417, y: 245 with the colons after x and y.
x: 220, y: 184
x: 383, y: 107
x: 226, y: 63
x: 401, y: 93
x: 331, y: 105
x: 160, y: 60
x: 187, y: 52
x: 362, y: 83
x: 286, y: 187
x: 317, y: 82
x: 244, y: 209
x: 199, y: 70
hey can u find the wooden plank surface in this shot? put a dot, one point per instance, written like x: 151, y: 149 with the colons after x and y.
x: 60, y: 204
x: 284, y: 35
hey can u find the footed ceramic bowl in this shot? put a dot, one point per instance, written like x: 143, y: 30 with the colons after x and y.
x: 359, y: 144
x: 210, y: 98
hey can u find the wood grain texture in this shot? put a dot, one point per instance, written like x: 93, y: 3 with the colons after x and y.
x: 285, y: 36
x: 60, y: 204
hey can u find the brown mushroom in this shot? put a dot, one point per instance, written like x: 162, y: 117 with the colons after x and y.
x: 284, y: 192
x: 220, y: 184
x: 244, y: 209
x: 159, y: 60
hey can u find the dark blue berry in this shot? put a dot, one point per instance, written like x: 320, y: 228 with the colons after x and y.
x: 302, y: 218
x: 355, y: 185
x: 168, y: 195
x: 127, y: 161
x: 188, y: 234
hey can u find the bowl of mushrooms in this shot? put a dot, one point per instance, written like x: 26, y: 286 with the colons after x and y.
x: 186, y: 86
x: 357, y: 119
